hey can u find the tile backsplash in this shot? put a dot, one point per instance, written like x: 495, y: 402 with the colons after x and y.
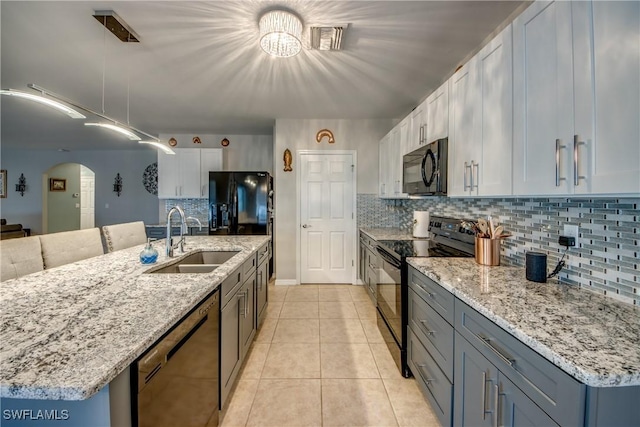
x: 606, y: 260
x: 197, y: 208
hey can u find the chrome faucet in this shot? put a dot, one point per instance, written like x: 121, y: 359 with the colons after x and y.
x: 183, y: 231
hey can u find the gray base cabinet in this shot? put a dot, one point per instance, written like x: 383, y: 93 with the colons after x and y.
x: 230, y: 350
x: 247, y: 316
x: 262, y: 281
x: 369, y: 266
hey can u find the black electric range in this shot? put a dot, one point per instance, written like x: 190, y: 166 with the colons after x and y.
x: 449, y: 238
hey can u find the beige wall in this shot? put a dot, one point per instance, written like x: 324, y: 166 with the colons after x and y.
x: 62, y: 213
x: 362, y: 136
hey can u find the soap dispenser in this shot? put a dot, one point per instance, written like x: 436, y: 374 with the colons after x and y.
x: 149, y: 254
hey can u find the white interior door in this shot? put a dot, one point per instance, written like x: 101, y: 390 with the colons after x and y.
x: 327, y: 193
x: 87, y: 200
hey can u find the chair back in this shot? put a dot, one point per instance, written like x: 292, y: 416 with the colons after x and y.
x: 19, y: 257
x: 126, y: 235
x: 70, y: 246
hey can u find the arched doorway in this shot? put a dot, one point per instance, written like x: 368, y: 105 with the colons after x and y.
x: 68, y: 198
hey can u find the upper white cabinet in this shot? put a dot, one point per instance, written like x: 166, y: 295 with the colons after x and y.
x: 392, y: 148
x: 587, y: 55
x: 210, y: 161
x: 180, y: 176
x: 607, y: 97
x: 418, y: 133
x: 438, y: 113
x: 480, y: 122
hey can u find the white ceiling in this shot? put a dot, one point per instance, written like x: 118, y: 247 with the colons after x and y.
x: 199, y: 67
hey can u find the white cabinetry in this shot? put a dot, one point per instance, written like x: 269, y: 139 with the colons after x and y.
x: 587, y: 55
x: 210, y: 161
x: 480, y: 122
x: 180, y: 176
x: 438, y: 113
x: 392, y: 148
x: 418, y: 134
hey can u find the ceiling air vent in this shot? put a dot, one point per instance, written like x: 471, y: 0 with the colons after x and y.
x: 327, y: 38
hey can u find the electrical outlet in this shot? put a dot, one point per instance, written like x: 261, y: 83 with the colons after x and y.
x: 571, y: 231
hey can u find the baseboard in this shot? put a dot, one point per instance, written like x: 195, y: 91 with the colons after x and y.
x: 286, y: 282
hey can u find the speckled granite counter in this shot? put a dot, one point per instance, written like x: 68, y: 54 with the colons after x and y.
x: 67, y: 332
x: 593, y: 338
x: 387, y: 233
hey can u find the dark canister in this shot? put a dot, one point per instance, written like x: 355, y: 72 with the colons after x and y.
x: 536, y: 266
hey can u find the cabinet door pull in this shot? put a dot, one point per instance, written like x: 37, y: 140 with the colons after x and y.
x: 484, y: 396
x: 465, y: 177
x: 576, y: 173
x: 506, y: 359
x: 242, y: 307
x: 558, y: 147
x: 477, y: 167
x: 496, y: 408
x: 426, y: 380
x: 471, y: 174
x: 429, y: 332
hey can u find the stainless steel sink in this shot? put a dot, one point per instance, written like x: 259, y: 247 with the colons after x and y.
x: 199, y: 262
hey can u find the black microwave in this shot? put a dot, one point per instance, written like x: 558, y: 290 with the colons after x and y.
x: 425, y: 170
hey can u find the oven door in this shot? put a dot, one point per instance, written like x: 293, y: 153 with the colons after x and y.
x: 389, y: 289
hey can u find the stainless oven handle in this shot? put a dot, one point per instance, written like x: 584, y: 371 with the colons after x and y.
x: 389, y: 258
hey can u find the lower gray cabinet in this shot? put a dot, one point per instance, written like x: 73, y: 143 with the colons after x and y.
x: 247, y: 313
x: 262, y: 297
x: 483, y: 396
x: 230, y: 350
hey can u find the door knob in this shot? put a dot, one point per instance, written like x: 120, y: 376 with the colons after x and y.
x: 306, y: 226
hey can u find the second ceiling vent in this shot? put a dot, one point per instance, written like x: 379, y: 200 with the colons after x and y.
x: 327, y: 37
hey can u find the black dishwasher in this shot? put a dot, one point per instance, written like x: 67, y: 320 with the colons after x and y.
x: 176, y: 380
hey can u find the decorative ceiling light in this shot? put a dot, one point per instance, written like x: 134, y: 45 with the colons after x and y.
x: 159, y: 145
x: 126, y: 132
x: 280, y: 33
x: 45, y: 101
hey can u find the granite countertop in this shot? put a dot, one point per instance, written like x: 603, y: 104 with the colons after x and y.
x: 68, y: 331
x: 593, y: 338
x: 388, y: 233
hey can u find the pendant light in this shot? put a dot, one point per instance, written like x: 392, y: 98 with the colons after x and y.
x: 41, y: 99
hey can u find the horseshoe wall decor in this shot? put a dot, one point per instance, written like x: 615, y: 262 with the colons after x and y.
x: 325, y: 132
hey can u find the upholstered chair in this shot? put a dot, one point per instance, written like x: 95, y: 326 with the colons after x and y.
x: 70, y: 246
x: 122, y: 236
x: 19, y: 257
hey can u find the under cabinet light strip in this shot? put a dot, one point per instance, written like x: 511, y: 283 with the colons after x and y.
x: 45, y: 101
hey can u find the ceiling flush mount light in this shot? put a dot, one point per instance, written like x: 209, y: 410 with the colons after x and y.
x: 280, y: 33
x: 126, y: 132
x: 45, y: 101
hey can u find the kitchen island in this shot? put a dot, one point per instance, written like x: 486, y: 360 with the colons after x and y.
x: 67, y: 332
x: 574, y: 355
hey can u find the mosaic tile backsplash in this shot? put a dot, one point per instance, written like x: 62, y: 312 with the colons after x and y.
x: 197, y: 208
x: 605, y: 262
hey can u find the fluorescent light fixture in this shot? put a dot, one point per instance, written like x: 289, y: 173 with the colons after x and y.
x: 45, y: 101
x: 126, y: 132
x: 280, y: 33
x: 159, y: 145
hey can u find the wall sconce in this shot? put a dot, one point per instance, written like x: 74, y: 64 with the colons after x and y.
x: 21, y: 186
x: 117, y: 185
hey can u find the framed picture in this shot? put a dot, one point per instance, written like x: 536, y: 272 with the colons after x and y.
x: 3, y: 183
x: 57, y: 184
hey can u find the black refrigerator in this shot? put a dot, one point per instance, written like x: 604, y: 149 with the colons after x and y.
x: 240, y: 203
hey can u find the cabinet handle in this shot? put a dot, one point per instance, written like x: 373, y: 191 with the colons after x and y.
x: 484, y: 396
x: 202, y: 191
x: 421, y: 134
x: 427, y: 380
x: 496, y: 390
x: 429, y: 332
x: 558, y: 147
x: 477, y: 168
x: 465, y: 176
x: 576, y: 175
x: 260, y: 281
x: 506, y: 359
x: 243, y: 311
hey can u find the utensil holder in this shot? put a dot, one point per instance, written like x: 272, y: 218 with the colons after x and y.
x: 487, y: 251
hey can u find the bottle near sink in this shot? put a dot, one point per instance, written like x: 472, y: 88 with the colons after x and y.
x: 149, y: 254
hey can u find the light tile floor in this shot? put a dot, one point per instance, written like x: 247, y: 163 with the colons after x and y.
x: 319, y: 360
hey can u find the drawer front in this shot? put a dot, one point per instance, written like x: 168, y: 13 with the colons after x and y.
x: 433, y: 332
x: 230, y: 285
x: 557, y: 393
x: 435, y: 295
x: 372, y: 259
x: 432, y: 382
x: 371, y: 284
x: 263, y: 253
x: 249, y: 266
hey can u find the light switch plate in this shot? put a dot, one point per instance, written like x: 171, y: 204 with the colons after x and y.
x: 571, y: 231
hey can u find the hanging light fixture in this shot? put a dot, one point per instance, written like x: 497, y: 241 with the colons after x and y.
x: 280, y: 33
x: 126, y: 132
x: 45, y: 101
x: 159, y: 145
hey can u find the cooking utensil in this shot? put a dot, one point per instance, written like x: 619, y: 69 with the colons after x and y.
x: 497, y: 232
x: 483, y: 227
